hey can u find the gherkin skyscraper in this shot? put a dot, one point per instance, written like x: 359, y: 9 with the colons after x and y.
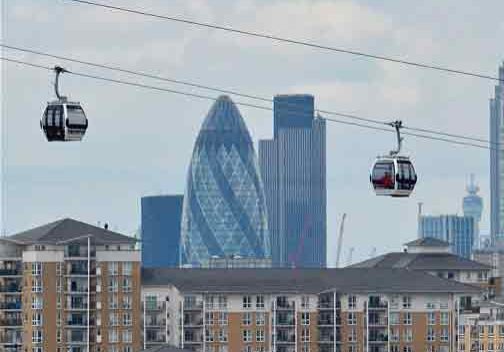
x: 224, y: 211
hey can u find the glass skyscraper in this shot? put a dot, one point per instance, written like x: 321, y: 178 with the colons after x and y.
x: 224, y: 212
x: 160, y: 230
x: 293, y: 167
x: 458, y: 231
x: 497, y: 161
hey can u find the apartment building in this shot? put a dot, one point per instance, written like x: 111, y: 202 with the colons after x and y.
x: 482, y: 332
x: 433, y: 256
x: 302, y: 310
x: 68, y: 286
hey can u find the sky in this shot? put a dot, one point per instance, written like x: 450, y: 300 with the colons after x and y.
x: 139, y: 142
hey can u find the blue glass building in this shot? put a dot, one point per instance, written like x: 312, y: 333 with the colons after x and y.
x: 224, y: 212
x: 458, y: 231
x: 496, y: 162
x: 160, y: 230
x: 293, y: 167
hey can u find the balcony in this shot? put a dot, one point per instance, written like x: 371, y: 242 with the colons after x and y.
x: 285, y: 338
x: 193, y: 323
x: 10, y: 272
x: 157, y: 322
x: 283, y: 305
x: 193, y: 306
x: 10, y: 322
x: 79, y: 323
x: 377, y: 303
x: 11, y: 338
x: 11, y: 288
x: 14, y: 305
x: 378, y: 338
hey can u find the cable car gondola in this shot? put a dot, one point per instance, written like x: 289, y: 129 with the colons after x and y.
x: 63, y: 120
x: 393, y: 175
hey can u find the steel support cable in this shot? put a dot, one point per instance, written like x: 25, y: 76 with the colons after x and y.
x: 206, y: 97
x: 244, y: 95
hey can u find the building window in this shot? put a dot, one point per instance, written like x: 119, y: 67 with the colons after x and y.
x: 150, y: 302
x: 209, y: 318
x: 444, y: 335
x: 394, y: 318
x: 113, y: 319
x: 36, y: 319
x: 126, y: 302
x: 36, y: 336
x: 352, y: 335
x: 58, y: 336
x: 223, y: 318
x: 247, y: 319
x: 223, y: 335
x: 394, y: 348
x: 408, y: 335
x: 127, y: 319
x: 490, y: 330
x: 247, y: 335
x: 260, y: 302
x: 113, y: 284
x: 431, y: 334
x: 444, y: 318
x: 209, y: 337
x: 305, y: 335
x: 127, y: 336
x: 352, y: 348
x: 260, y: 319
x: 431, y: 318
x: 36, y: 302
x: 305, y: 302
x: 352, y: 302
x: 305, y: 348
x: 406, y: 302
x: 209, y: 302
x: 36, y: 284
x: 394, y: 335
x: 305, y: 318
x: 490, y: 346
x: 246, y: 348
x: 222, y: 302
x: 407, y: 349
x: 37, y: 349
x: 126, y: 284
x: 113, y: 336
x: 113, y: 268
x: 127, y: 268
x: 113, y: 302
x: 260, y: 335
x: 247, y: 302
x: 223, y: 348
x: 36, y: 268
x: 501, y: 330
x: 407, y: 318
x: 352, y: 318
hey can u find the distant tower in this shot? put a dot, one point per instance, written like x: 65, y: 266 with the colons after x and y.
x: 496, y: 164
x: 473, y: 205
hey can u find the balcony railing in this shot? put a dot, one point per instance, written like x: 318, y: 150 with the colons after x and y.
x: 11, y: 322
x: 12, y: 288
x: 10, y: 305
x: 10, y: 272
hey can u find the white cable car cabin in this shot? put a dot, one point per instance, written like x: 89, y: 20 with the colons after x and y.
x: 63, y: 120
x: 393, y: 175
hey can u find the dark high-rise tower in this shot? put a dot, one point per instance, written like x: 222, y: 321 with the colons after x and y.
x: 224, y: 211
x: 160, y: 230
x: 496, y: 162
x: 293, y: 167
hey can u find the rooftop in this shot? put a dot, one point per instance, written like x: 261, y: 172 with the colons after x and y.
x: 422, y: 261
x: 377, y: 280
x: 67, y: 230
x: 428, y: 242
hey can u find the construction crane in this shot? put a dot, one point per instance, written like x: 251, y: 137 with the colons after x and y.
x: 350, y: 256
x: 340, y: 240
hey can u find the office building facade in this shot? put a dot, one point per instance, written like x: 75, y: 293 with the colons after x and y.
x: 496, y: 161
x: 160, y: 230
x: 69, y: 287
x: 473, y: 206
x: 305, y: 310
x: 293, y: 167
x: 458, y: 231
x: 224, y: 212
